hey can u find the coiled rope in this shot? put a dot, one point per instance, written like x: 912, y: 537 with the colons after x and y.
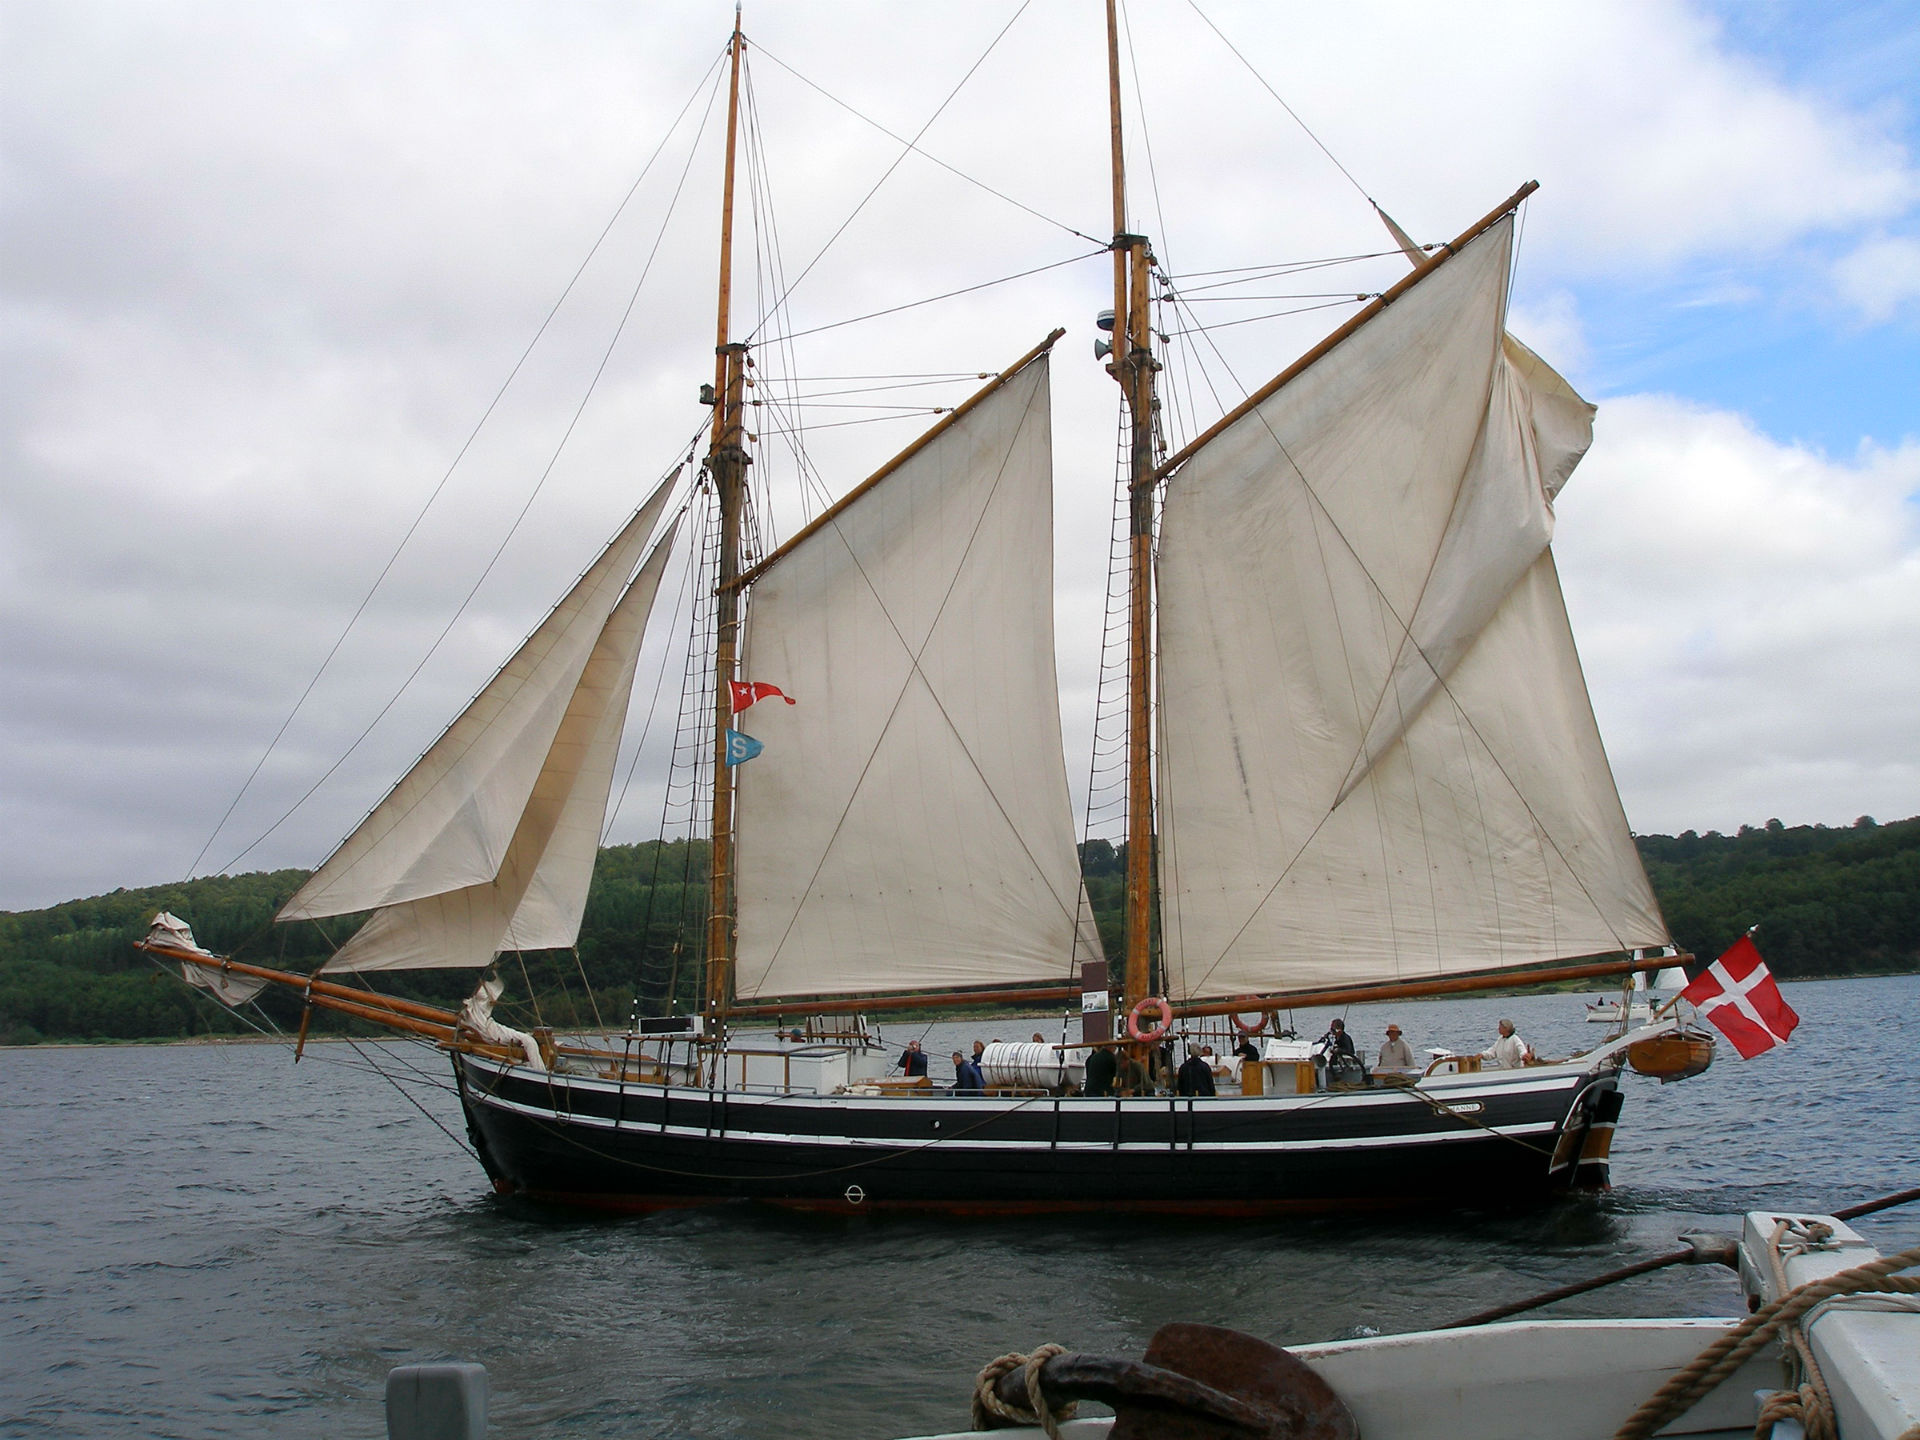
x: 988, y: 1407
x: 1809, y: 1403
x: 1732, y: 1350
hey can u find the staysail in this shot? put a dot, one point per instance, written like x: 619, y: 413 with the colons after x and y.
x: 539, y: 896
x: 1378, y: 760
x: 907, y: 825
x: 512, y: 760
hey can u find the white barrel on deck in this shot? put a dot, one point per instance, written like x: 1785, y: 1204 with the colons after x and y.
x: 1029, y: 1065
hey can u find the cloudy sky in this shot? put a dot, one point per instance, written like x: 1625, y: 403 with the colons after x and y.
x: 265, y: 269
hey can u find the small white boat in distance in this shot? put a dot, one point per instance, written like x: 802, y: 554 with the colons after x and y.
x: 1646, y: 999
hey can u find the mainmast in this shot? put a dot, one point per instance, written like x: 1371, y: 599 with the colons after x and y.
x: 1133, y: 367
x: 727, y: 464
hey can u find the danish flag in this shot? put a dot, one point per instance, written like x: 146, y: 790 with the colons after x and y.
x: 1738, y: 997
x: 745, y: 692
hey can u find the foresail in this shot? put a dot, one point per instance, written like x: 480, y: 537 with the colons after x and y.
x: 448, y: 823
x: 1378, y: 758
x: 550, y: 913
x: 537, y: 899
x: 907, y: 825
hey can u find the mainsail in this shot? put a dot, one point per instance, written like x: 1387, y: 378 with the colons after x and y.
x: 478, y: 845
x: 1378, y: 760
x: 908, y: 824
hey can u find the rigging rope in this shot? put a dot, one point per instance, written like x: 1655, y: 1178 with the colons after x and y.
x: 1733, y: 1349
x: 899, y: 160
x: 512, y: 530
x: 936, y: 299
x: 990, y: 1412
x: 1291, y: 113
x: 460, y: 455
x: 925, y: 155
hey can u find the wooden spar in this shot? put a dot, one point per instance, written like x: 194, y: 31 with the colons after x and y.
x: 388, y: 1018
x: 318, y: 989
x: 1133, y: 367
x: 411, y: 1016
x: 930, y: 1000
x: 1313, y: 356
x: 1297, y: 999
x: 1418, y: 989
x: 1119, y: 166
x: 300, y: 1041
x: 1140, y: 829
x: 946, y: 422
x: 726, y: 463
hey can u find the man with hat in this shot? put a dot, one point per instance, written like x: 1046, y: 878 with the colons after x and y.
x: 1395, y: 1054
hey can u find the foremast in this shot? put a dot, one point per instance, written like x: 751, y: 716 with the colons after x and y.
x: 726, y: 463
x: 1133, y: 366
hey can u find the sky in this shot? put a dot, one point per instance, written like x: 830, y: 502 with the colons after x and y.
x: 271, y: 279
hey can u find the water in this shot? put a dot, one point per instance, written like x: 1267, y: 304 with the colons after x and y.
x: 205, y: 1241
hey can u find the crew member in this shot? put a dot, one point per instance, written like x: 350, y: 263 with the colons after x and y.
x: 1101, y: 1069
x: 1336, y: 1041
x: 1395, y: 1054
x: 913, y: 1059
x: 967, y: 1079
x: 1196, y: 1075
x: 1509, y: 1052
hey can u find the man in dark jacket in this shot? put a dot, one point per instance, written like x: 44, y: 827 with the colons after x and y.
x: 913, y: 1059
x: 967, y: 1079
x: 1336, y: 1041
x: 1196, y: 1075
x: 1101, y: 1070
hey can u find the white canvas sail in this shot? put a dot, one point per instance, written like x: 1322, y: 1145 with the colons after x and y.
x: 908, y: 824
x: 538, y: 897
x: 1378, y: 758
x: 448, y: 823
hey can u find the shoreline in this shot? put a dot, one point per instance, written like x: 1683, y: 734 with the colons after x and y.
x: 906, y: 1018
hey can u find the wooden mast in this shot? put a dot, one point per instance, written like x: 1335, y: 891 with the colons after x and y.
x: 1133, y: 366
x: 727, y: 464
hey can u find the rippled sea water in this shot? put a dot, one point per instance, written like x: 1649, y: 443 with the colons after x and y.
x: 206, y: 1241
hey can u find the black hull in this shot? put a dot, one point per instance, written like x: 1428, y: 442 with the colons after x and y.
x: 1482, y: 1140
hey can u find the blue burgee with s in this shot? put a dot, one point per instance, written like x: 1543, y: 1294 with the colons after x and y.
x: 741, y: 747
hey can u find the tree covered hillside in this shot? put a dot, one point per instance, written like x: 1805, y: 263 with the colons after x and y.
x: 1827, y: 901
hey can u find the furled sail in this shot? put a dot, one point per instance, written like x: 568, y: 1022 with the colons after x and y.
x: 907, y: 825
x: 1378, y: 757
x: 539, y: 896
x: 449, y: 821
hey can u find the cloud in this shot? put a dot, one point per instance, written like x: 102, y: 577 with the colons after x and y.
x: 262, y: 269
x: 1655, y: 142
x: 1550, y: 325
x: 1747, y: 612
x: 1881, y: 277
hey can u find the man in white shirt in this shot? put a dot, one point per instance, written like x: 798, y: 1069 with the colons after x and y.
x: 1509, y: 1052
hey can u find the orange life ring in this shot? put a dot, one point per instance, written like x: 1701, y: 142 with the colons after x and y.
x: 1259, y: 1023
x: 1133, y: 1019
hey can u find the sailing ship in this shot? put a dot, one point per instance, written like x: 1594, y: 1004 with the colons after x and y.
x: 1361, y: 764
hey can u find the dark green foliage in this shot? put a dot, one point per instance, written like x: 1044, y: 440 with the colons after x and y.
x: 1828, y: 902
x: 70, y: 972
x: 1104, y: 869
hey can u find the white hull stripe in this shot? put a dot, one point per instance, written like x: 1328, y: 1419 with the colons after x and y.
x: 693, y: 1132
